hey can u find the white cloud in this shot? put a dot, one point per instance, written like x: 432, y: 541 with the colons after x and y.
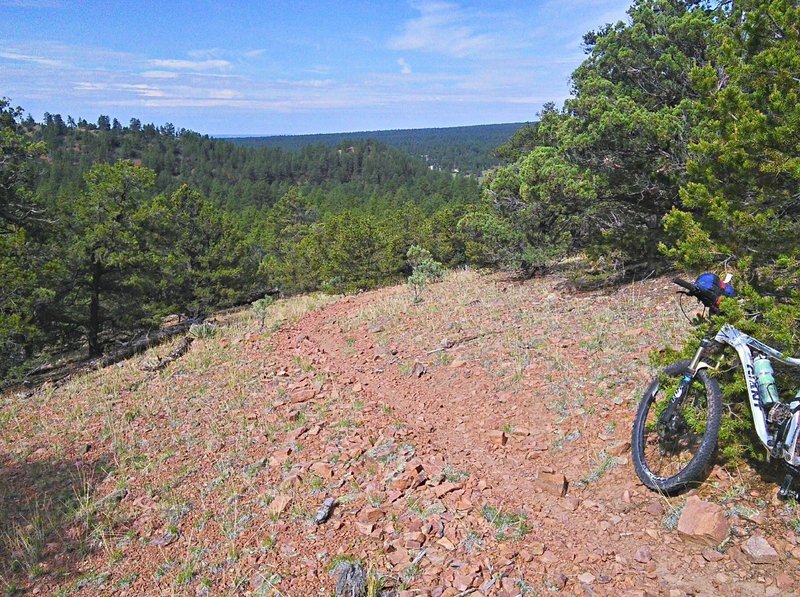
x: 159, y: 74
x: 30, y: 58
x: 405, y: 67
x: 142, y: 89
x: 206, y: 53
x: 254, y: 53
x: 90, y: 86
x: 194, y: 65
x: 224, y: 94
x: 441, y: 28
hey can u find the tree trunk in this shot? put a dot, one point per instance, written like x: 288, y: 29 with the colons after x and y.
x: 93, y: 332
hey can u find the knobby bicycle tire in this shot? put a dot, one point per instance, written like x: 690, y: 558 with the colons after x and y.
x: 695, y: 469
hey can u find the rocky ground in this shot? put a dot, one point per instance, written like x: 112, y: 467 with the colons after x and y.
x: 475, y: 443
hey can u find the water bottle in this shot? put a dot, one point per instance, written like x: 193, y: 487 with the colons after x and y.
x: 766, y: 381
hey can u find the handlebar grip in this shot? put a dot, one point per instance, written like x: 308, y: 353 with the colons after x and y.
x: 684, y: 284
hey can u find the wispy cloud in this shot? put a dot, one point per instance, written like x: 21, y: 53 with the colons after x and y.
x: 206, y: 53
x: 159, y: 74
x: 254, y: 53
x: 193, y: 65
x: 405, y: 67
x: 441, y: 28
x: 30, y: 58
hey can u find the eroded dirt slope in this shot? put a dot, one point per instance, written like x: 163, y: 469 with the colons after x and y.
x: 443, y: 429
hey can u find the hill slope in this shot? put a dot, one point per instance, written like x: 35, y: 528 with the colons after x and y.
x: 204, y: 478
x: 467, y: 149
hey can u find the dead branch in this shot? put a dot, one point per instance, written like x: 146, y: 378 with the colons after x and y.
x: 162, y: 362
x: 448, y: 345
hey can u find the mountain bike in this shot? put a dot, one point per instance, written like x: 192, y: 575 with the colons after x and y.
x: 678, y: 421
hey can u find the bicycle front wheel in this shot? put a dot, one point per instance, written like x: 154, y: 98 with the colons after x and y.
x: 673, y: 447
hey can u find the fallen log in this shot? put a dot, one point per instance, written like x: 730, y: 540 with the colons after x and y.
x: 162, y: 362
x: 142, y: 344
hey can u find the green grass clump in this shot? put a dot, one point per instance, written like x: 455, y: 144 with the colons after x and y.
x: 508, y: 525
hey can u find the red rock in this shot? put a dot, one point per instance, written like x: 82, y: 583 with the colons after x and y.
x: 462, y: 582
x: 759, y: 551
x: 446, y: 488
x: 446, y: 543
x: 498, y: 438
x: 656, y: 509
x: 303, y: 396
x: 365, y: 528
x: 401, y: 483
x: 619, y: 449
x: 643, y: 554
x: 712, y: 555
x: 703, y: 522
x: 413, y: 540
x: 399, y: 558
x: 553, y: 483
x: 322, y: 469
x: 372, y: 515
x: 278, y: 506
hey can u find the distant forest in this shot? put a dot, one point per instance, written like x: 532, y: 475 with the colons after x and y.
x: 106, y: 228
x: 469, y: 150
x: 679, y: 146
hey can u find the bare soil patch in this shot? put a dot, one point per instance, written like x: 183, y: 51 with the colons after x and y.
x: 475, y: 443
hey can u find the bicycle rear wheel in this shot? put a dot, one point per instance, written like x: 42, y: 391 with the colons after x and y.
x: 672, y: 448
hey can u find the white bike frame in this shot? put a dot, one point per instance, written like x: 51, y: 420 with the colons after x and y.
x: 742, y: 344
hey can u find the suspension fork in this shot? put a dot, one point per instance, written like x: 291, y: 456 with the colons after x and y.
x: 668, y: 422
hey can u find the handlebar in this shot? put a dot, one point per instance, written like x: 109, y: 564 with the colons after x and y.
x: 708, y: 298
x: 692, y: 288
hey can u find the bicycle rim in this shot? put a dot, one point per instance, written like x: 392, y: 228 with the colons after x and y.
x: 671, y: 443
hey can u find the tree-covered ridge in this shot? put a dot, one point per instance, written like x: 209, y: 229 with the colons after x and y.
x: 107, y: 228
x: 467, y: 150
x: 236, y: 177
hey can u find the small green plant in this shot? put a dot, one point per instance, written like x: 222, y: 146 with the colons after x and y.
x: 202, y: 331
x: 375, y: 582
x: 453, y: 474
x: 260, y: 309
x: 671, y: 517
x: 425, y: 270
x: 507, y: 524
x: 473, y: 542
x: 603, y: 463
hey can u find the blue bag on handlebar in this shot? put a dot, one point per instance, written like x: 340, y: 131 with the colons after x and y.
x: 710, y: 282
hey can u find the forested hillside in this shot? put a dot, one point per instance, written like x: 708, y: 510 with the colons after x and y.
x: 679, y: 146
x: 107, y: 228
x: 469, y: 150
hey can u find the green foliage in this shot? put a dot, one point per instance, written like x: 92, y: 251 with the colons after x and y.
x: 516, y: 229
x: 261, y: 309
x: 599, y: 174
x: 201, y: 255
x: 424, y: 270
x: 467, y: 149
x: 121, y: 225
x: 739, y: 211
x: 21, y: 262
x: 104, y: 285
x: 203, y: 331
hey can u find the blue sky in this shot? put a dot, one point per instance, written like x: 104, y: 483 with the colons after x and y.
x: 291, y: 67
